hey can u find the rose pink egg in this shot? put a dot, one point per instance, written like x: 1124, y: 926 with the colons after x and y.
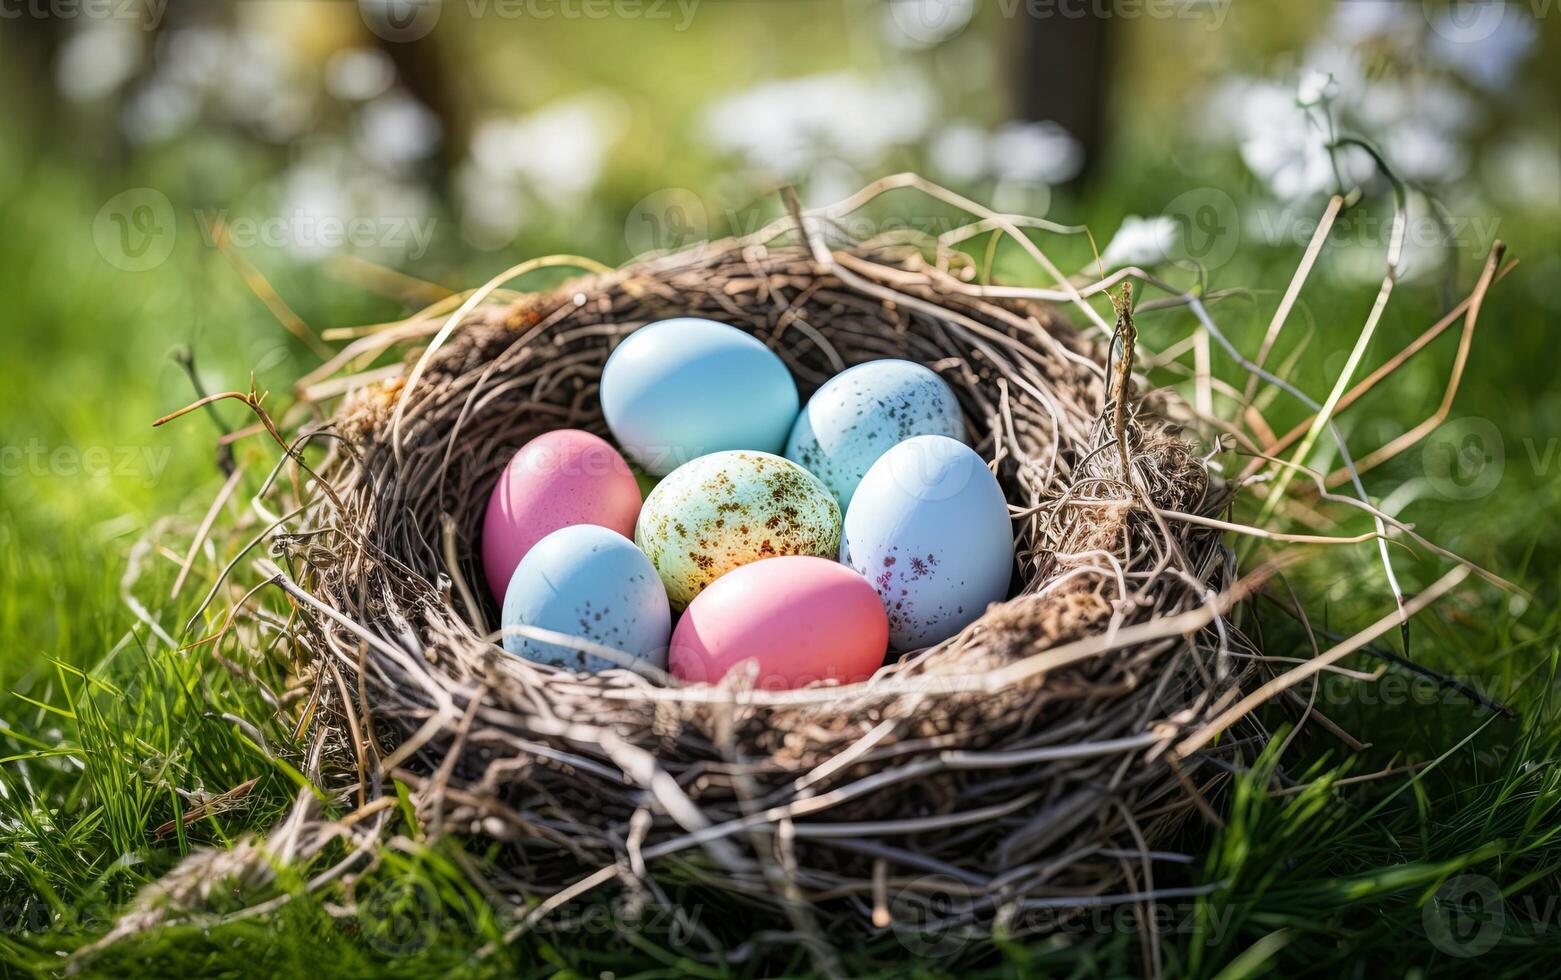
x: 559, y: 479
x: 803, y: 619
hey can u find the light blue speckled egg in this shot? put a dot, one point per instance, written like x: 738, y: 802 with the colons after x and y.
x: 679, y: 389
x: 592, y: 583
x: 929, y: 528
x: 861, y: 412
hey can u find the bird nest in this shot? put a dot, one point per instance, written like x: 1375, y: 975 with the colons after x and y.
x: 1023, y: 759
x: 1021, y: 771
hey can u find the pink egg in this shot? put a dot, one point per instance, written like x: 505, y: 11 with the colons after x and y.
x: 559, y: 479
x: 803, y: 619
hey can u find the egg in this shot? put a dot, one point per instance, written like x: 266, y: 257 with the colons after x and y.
x: 678, y: 389
x: 861, y: 412
x: 559, y: 478
x: 591, y: 583
x: 801, y: 619
x: 727, y: 509
x: 929, y: 528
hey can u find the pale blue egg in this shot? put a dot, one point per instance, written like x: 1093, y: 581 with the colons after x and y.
x: 679, y: 389
x: 929, y: 528
x: 588, y: 582
x: 861, y: 412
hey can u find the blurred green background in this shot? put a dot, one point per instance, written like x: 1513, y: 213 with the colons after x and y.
x: 365, y: 158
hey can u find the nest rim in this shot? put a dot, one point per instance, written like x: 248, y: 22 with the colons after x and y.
x: 366, y: 412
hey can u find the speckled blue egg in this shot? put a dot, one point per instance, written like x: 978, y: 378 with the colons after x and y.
x: 929, y: 527
x: 592, y: 583
x: 861, y: 412
x: 679, y: 389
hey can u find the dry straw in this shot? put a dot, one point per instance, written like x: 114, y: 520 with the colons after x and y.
x: 1022, y: 771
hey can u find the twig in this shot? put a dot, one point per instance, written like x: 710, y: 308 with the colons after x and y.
x: 217, y: 804
x: 1248, y: 704
x: 267, y: 294
x: 1126, y: 337
x: 1429, y: 425
x: 1302, y: 273
x: 201, y: 532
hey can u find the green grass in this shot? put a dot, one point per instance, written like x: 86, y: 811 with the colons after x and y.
x: 103, y: 729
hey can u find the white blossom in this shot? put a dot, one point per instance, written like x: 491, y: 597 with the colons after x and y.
x: 782, y: 127
x: 397, y: 129
x: 1036, y: 152
x: 924, y: 23
x: 1141, y: 241
x: 1316, y: 87
x: 1282, y: 144
x: 1486, y: 42
x: 958, y: 151
x: 559, y: 151
x: 98, y: 59
x: 359, y: 74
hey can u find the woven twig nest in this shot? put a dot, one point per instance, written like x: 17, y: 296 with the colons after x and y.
x: 1019, y: 766
x: 1023, y: 772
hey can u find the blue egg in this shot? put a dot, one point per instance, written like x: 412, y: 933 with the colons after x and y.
x: 588, y: 582
x: 679, y: 389
x: 929, y: 528
x: 861, y: 412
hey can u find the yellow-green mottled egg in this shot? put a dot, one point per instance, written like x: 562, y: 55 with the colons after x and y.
x: 727, y: 509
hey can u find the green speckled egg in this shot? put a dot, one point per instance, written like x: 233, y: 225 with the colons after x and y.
x: 720, y: 511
